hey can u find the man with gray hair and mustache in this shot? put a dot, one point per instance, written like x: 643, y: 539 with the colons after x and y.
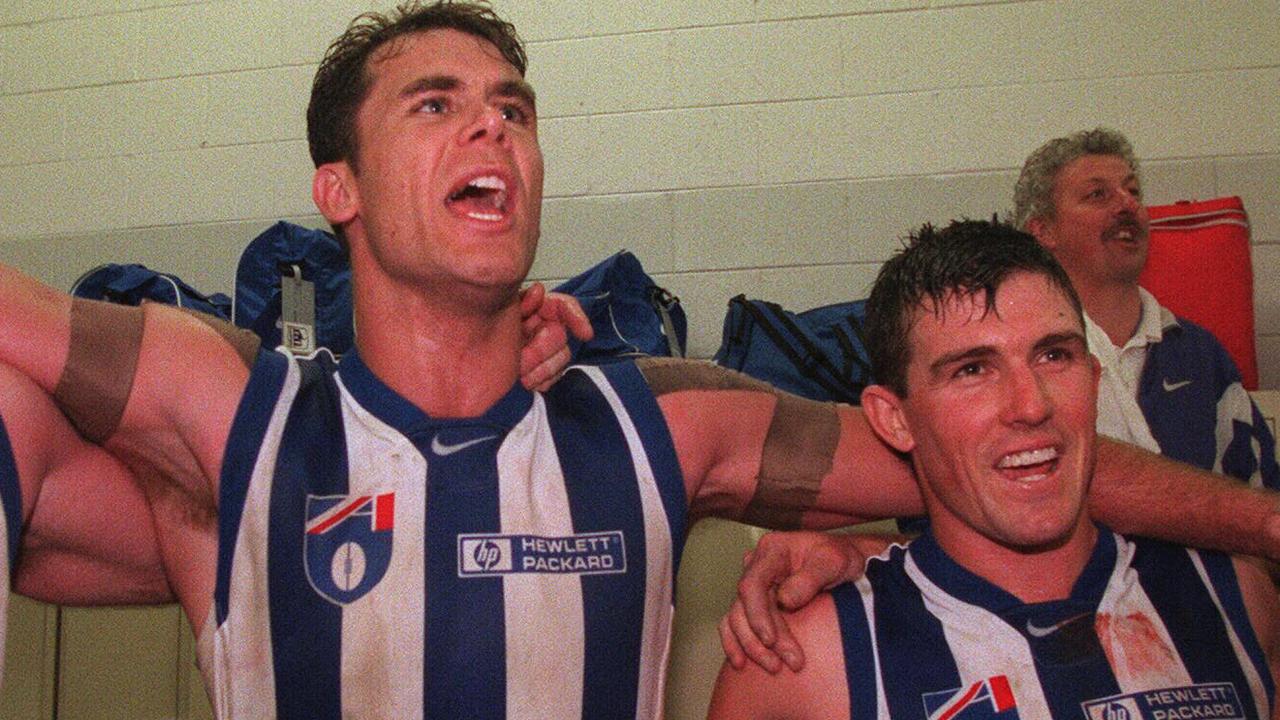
x: 1167, y: 384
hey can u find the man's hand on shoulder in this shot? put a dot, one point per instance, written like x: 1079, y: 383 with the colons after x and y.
x: 549, y: 319
x: 784, y: 572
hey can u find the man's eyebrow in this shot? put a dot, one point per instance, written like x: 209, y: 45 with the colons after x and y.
x: 951, y: 358
x: 1063, y: 338
x: 429, y: 83
x: 515, y: 89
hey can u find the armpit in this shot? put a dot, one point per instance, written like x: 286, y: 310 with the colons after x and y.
x: 799, y: 446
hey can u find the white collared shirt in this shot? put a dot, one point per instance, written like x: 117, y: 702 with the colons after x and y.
x: 1119, y: 415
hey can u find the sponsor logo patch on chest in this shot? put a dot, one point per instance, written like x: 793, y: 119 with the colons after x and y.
x: 1206, y: 700
x: 487, y: 555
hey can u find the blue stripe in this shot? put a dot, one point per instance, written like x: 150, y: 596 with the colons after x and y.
x: 1222, y: 575
x: 243, y: 445
x: 465, y: 663
x: 914, y: 654
x: 1070, y: 661
x: 1198, y: 630
x: 859, y: 654
x: 306, y: 628
x: 651, y: 425
x: 603, y: 496
x: 10, y: 498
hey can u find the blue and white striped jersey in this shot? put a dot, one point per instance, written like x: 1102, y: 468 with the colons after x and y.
x: 376, y: 562
x: 1151, y: 630
x: 10, y: 528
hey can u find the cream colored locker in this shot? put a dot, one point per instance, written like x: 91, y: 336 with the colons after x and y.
x: 119, y: 663
x: 30, y: 661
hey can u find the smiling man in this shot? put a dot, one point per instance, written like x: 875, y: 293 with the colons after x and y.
x: 1167, y: 384
x: 1013, y: 604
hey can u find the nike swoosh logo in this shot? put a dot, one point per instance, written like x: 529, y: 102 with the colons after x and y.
x: 1039, y: 632
x: 442, y: 449
x: 1171, y: 386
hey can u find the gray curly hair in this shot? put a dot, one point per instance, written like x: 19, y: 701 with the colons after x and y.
x: 1033, y: 194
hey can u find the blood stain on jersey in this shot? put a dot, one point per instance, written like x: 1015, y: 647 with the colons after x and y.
x: 1137, y: 651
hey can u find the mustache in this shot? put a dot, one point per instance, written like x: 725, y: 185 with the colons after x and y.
x: 1126, y: 222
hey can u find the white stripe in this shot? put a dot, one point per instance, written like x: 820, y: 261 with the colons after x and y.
x: 659, y: 574
x: 1256, y: 688
x: 249, y: 659
x: 983, y: 645
x: 383, y: 633
x: 1132, y: 615
x: 544, y: 658
x: 868, y: 609
x: 1232, y: 213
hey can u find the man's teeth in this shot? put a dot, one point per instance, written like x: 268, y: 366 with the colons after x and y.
x: 1028, y: 457
x: 489, y: 188
x: 490, y: 182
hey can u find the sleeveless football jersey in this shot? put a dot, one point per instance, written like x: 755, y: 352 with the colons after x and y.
x: 10, y: 528
x: 376, y: 562
x: 1151, y: 631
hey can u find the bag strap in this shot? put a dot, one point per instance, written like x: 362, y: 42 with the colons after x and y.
x: 811, y: 362
x: 851, y: 355
x: 662, y: 302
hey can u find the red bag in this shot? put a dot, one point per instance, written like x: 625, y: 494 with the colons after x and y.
x: 1199, y: 267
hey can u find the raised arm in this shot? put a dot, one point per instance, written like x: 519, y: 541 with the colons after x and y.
x: 87, y: 532
x: 157, y: 384
x: 752, y: 453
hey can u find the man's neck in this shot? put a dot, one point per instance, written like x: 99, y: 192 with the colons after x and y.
x: 447, y: 361
x: 1115, y: 308
x: 1031, y: 576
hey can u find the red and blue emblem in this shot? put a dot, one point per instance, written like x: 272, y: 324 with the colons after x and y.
x: 990, y: 699
x: 348, y: 543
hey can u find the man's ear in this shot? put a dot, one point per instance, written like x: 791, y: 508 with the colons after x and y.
x: 1039, y: 228
x: 883, y: 409
x: 333, y: 189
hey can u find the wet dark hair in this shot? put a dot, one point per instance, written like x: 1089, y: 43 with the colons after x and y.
x: 966, y: 257
x: 342, y: 81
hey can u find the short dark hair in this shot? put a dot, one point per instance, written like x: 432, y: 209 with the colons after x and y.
x: 964, y: 258
x: 342, y: 81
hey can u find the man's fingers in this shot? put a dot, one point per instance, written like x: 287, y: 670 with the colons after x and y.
x: 531, y: 299
x: 567, y: 311
x: 733, y: 651
x: 737, y: 632
x: 755, y: 590
x: 546, y: 373
x: 544, y: 356
x: 786, y: 646
x: 824, y: 566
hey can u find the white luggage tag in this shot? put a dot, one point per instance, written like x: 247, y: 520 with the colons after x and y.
x: 297, y: 311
